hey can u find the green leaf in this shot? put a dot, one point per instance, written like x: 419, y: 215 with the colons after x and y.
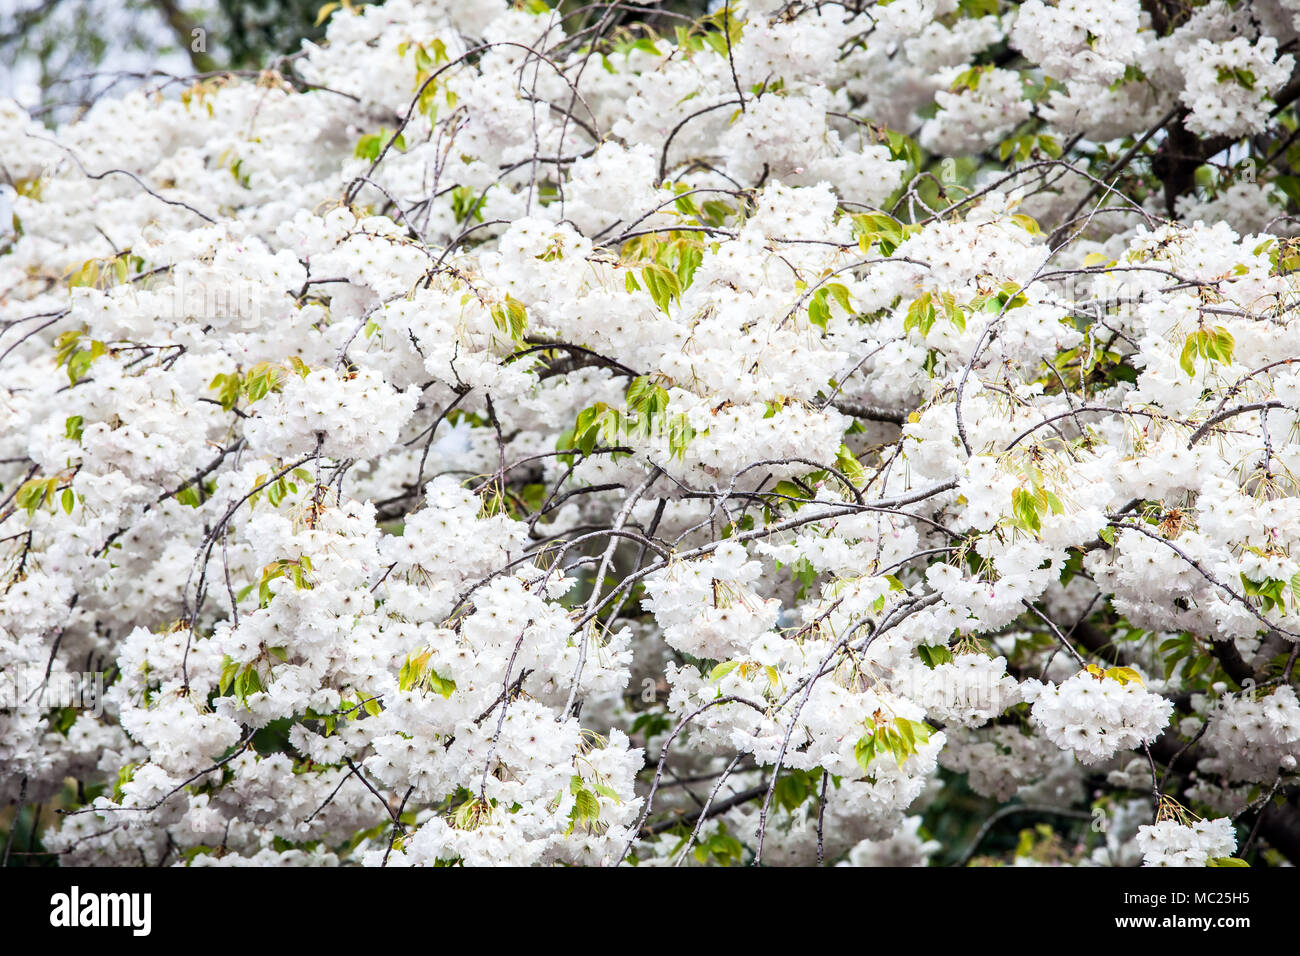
x: 323, y: 13
x: 368, y: 146
x: 920, y: 315
x: 848, y: 463
x: 35, y: 493
x: 607, y: 792
x: 840, y: 293
x: 1124, y: 675
x: 878, y: 229
x: 229, y: 669
x: 819, y: 313
x: 1024, y: 505
x: 1290, y: 185
x: 662, y: 284
x: 1224, y: 344
x: 722, y: 670
x: 864, y: 751
x: 1028, y: 223
x: 443, y: 686
x: 465, y: 204
x: 932, y: 655
x: 514, y: 319
x: 124, y: 776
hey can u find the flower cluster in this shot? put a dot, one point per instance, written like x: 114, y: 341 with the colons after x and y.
x: 1171, y: 843
x: 1097, y: 716
x: 1254, y: 739
x: 1080, y: 39
x: 1228, y: 83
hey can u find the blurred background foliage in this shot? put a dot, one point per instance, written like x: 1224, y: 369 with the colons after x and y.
x: 58, y: 55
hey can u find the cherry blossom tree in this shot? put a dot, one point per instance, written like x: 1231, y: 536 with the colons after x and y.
x: 501, y: 434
